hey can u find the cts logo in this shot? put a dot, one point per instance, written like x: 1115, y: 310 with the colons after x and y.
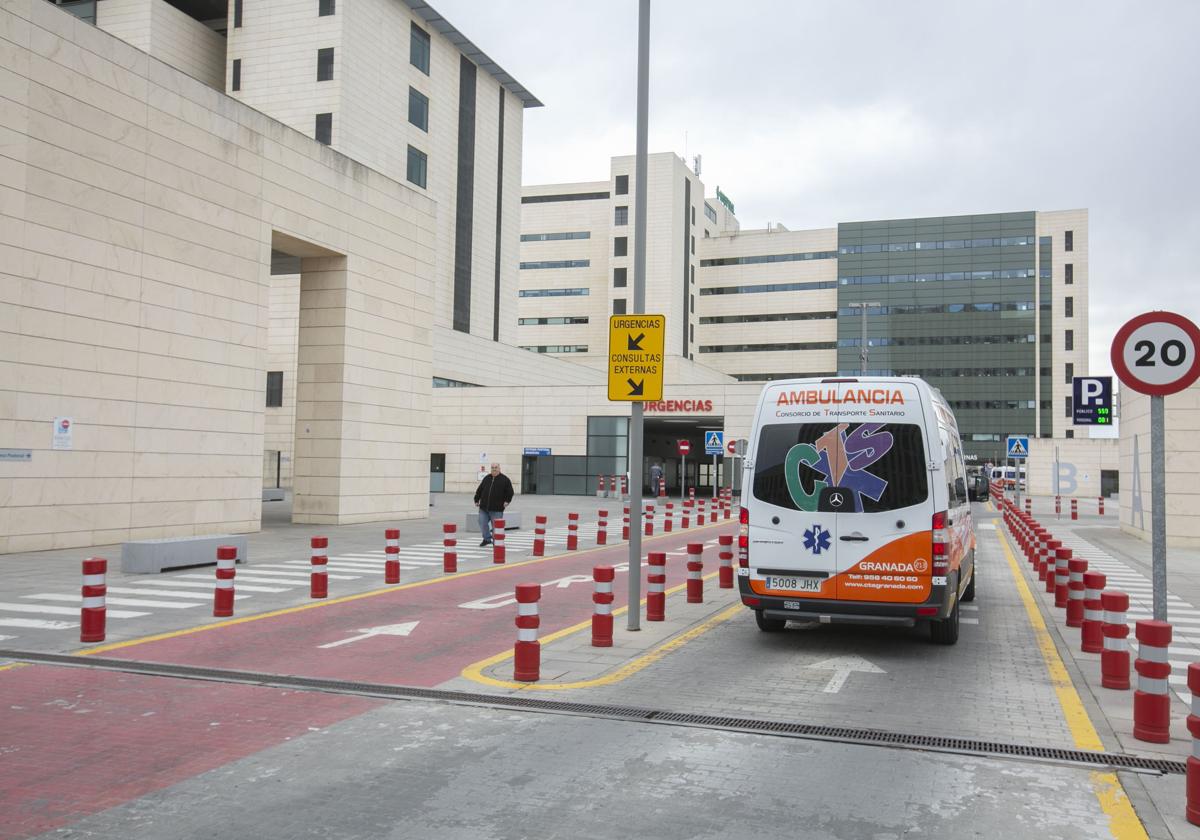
x: 920, y: 565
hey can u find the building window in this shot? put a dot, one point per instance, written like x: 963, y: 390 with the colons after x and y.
x: 692, y: 303
x: 692, y: 332
x: 1069, y: 244
x: 621, y: 246
x: 618, y: 306
x: 325, y: 64
x: 236, y: 83
x: 1069, y: 373
x: 274, y: 389
x: 324, y: 131
x: 538, y: 264
x: 620, y: 277
x: 710, y: 213
x: 621, y: 215
x: 693, y: 273
x: 1070, y: 340
x: 417, y: 163
x: 418, y: 49
x: 327, y: 7
x: 693, y: 244
x: 693, y: 217
x: 553, y: 293
x: 1069, y: 307
x: 1070, y: 433
x: 237, y: 14
x: 418, y: 109
x: 622, y: 185
x: 1070, y: 273
x: 1069, y: 406
x: 554, y: 237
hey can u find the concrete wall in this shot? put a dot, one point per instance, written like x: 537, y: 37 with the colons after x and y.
x: 138, y: 211
x: 1182, y: 420
x: 169, y: 35
x: 1079, y: 463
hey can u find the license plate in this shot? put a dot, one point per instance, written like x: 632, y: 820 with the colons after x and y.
x: 794, y: 584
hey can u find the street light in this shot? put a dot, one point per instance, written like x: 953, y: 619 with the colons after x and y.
x: 863, y: 350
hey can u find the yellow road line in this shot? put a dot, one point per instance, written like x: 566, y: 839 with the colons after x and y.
x: 1123, y: 821
x: 329, y: 602
x: 474, y: 671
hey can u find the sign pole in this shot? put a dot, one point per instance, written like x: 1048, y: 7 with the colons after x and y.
x: 1158, y: 502
x: 634, y: 613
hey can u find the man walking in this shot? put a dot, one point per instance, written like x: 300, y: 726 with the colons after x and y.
x: 492, y: 497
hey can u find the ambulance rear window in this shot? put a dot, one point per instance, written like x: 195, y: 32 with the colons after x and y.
x: 882, y: 463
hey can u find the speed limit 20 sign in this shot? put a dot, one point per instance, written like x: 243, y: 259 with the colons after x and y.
x: 1156, y: 353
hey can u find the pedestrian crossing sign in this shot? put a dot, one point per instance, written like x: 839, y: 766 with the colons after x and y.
x: 1018, y: 446
x: 714, y: 443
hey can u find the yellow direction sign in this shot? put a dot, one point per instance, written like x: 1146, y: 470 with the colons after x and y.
x: 635, y: 357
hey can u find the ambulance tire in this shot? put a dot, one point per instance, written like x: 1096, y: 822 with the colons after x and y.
x: 945, y: 632
x: 768, y: 625
x: 969, y: 594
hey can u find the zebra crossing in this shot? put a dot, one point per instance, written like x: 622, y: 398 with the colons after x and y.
x: 1184, y: 618
x: 173, y: 592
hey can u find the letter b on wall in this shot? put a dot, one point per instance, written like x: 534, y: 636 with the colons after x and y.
x: 1064, y: 480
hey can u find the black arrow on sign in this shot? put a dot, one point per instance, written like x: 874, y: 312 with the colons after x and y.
x: 635, y: 343
x: 635, y: 388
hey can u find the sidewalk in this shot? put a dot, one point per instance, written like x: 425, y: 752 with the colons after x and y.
x: 1126, y: 562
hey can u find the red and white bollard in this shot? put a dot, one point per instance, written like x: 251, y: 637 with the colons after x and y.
x: 624, y: 487
x: 662, y: 488
x: 725, y: 555
x: 686, y: 517
x: 572, y: 532
x: 692, y: 493
x: 625, y: 525
x: 1028, y: 505
x: 1193, y: 762
x: 600, y: 488
x: 1074, y: 508
x: 1052, y: 547
x: 92, y: 612
x: 527, y: 653
x: 1090, y: 638
x: 539, y: 536
x: 729, y: 503
x: 1062, y: 576
x: 1058, y: 505
x: 1152, y: 700
x: 669, y: 518
x: 319, y: 580
x: 1114, y: 659
x: 649, y: 521
x: 700, y: 514
x: 391, y: 565
x: 226, y: 569
x: 1076, y: 567
x: 602, y: 597
x: 656, y: 586
x: 449, y: 548
x: 695, y: 572
x: 498, y: 541
x: 1100, y: 505
x: 602, y: 528
x: 612, y: 487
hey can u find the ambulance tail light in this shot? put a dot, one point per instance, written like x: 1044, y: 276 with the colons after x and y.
x: 744, y: 538
x: 941, y: 544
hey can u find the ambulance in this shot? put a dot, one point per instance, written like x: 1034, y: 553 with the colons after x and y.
x: 855, y: 507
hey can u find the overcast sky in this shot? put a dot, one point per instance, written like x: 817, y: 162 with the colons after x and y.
x: 814, y: 113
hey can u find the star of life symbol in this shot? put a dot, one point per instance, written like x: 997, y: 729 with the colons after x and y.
x: 816, y: 539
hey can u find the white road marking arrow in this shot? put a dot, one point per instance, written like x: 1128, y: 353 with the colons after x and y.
x: 842, y: 667
x: 368, y: 632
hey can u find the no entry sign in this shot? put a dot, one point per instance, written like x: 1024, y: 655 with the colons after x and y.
x: 684, y: 447
x: 1156, y: 353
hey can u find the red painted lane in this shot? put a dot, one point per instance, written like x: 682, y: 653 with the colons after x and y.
x: 75, y: 742
x: 448, y: 637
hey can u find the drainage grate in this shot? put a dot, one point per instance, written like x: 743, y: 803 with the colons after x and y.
x: 849, y: 735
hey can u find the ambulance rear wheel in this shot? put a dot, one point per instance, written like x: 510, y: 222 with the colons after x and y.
x: 945, y: 632
x: 969, y: 592
x: 768, y: 625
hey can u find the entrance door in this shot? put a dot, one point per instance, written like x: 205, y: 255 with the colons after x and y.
x: 529, y: 474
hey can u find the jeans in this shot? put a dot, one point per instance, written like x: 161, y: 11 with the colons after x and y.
x: 486, y: 518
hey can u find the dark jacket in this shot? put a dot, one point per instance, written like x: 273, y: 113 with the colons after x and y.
x: 494, y: 492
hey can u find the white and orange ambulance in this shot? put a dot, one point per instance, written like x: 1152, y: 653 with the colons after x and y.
x: 855, y: 506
